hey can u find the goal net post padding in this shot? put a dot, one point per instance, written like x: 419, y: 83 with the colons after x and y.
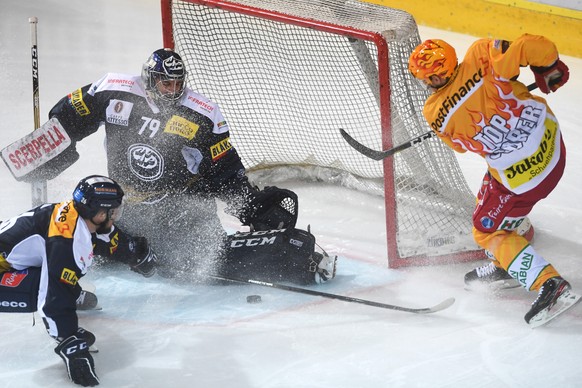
x: 288, y: 74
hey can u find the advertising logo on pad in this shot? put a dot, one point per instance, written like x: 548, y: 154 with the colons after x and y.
x: 13, y: 279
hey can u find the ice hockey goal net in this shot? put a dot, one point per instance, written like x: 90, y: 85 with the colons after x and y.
x: 289, y: 74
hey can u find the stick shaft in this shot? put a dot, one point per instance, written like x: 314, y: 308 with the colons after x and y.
x: 379, y: 155
x: 425, y: 310
x: 35, y: 89
x: 39, y: 188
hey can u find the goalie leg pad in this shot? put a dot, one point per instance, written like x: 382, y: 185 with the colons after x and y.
x: 284, y: 255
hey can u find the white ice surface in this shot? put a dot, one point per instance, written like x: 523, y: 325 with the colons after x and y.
x: 152, y: 333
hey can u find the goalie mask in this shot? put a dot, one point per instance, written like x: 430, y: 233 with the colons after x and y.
x: 95, y: 193
x: 164, y: 75
x: 433, y: 57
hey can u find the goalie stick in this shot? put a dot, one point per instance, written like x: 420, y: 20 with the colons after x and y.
x: 424, y: 310
x: 38, y: 188
x: 379, y: 155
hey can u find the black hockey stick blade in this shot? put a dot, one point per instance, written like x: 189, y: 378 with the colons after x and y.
x: 424, y: 310
x: 379, y: 155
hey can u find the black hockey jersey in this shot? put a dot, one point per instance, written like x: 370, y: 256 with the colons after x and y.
x: 54, y: 238
x: 153, y: 148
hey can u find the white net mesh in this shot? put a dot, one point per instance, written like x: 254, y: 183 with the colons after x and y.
x: 286, y: 89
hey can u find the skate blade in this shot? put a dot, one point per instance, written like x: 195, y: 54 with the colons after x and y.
x: 498, y: 285
x: 505, y: 284
x: 564, y: 302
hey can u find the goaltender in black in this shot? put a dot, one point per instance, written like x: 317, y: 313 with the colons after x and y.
x: 169, y: 148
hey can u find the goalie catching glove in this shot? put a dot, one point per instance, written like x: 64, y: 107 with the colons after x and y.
x: 270, y: 208
x: 74, y: 350
x: 552, y: 77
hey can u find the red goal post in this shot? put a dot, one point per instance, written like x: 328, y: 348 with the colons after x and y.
x: 289, y: 74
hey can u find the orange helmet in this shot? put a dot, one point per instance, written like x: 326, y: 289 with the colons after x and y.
x: 433, y: 57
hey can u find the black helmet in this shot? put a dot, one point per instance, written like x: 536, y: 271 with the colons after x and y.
x: 164, y: 65
x: 94, y: 193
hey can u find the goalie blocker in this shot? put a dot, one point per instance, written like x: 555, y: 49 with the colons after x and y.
x: 42, y: 154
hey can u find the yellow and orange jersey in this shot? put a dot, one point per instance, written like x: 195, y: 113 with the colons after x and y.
x: 485, y: 111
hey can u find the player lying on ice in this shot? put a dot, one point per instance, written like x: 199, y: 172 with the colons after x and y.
x: 43, y: 254
x: 169, y: 148
x: 479, y: 106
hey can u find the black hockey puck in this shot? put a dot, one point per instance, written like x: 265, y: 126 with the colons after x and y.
x: 254, y: 299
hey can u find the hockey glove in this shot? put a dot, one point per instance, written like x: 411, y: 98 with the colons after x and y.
x: 120, y: 246
x: 86, y: 335
x: 144, y: 259
x: 74, y: 351
x: 552, y: 77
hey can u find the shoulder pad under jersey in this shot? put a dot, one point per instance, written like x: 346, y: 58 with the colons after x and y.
x: 199, y: 103
x: 118, y: 82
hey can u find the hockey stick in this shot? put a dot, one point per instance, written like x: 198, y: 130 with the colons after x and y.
x: 425, y: 310
x: 38, y: 188
x: 379, y: 155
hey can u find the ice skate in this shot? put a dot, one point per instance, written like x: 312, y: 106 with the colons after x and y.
x: 490, y: 276
x: 553, y: 299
